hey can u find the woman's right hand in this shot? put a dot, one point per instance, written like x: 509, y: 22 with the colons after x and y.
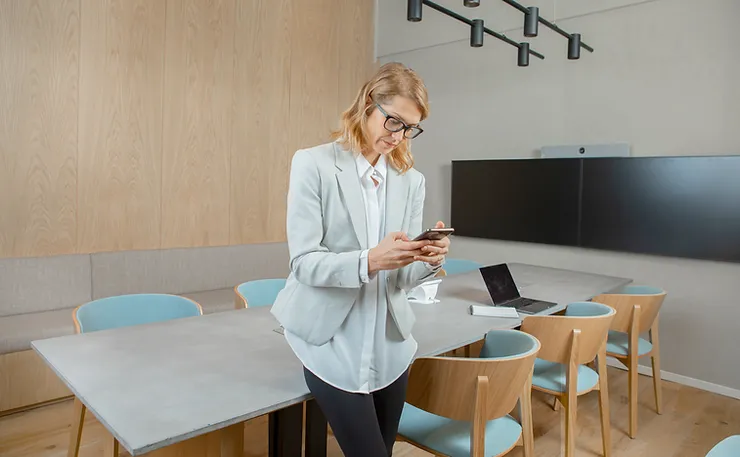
x: 394, y: 251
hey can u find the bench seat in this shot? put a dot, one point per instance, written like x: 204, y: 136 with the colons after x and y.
x: 214, y: 301
x: 19, y: 330
x: 38, y: 295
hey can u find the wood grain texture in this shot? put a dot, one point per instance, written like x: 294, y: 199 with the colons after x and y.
x: 39, y: 66
x: 129, y: 125
x: 314, y: 72
x: 120, y: 148
x: 356, y: 48
x: 431, y: 380
x: 26, y: 380
x: 196, y: 145
x: 260, y: 153
x: 624, y: 304
x: 557, y: 332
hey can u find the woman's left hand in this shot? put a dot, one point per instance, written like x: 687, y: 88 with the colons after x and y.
x: 436, y: 252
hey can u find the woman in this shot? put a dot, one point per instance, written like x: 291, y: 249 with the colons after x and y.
x: 353, y: 204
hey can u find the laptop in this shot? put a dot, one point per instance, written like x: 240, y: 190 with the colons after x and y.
x: 503, y: 291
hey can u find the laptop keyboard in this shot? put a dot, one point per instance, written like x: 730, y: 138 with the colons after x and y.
x: 522, y: 302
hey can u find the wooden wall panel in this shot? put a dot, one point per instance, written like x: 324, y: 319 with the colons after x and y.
x: 139, y: 124
x: 314, y: 72
x: 260, y: 153
x: 198, y: 88
x: 120, y: 147
x: 356, y: 48
x: 25, y: 380
x: 39, y: 65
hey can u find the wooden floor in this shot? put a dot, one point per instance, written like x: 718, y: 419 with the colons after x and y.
x: 694, y: 420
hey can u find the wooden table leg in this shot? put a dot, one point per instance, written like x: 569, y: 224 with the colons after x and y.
x: 286, y: 432
x: 315, y: 430
x: 75, y: 433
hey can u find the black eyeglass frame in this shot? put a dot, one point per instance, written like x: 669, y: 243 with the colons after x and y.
x: 406, y: 128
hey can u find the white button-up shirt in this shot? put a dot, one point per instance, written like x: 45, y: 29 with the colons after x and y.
x: 367, y: 353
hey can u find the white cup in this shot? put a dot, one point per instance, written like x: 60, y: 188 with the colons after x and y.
x: 425, y: 292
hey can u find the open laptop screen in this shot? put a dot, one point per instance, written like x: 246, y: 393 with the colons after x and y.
x: 500, y: 283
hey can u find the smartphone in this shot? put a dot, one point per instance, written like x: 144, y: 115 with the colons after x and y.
x: 435, y: 233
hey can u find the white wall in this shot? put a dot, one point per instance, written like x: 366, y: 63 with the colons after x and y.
x: 665, y: 77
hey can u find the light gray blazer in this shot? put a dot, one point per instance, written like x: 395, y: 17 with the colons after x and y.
x: 327, y: 232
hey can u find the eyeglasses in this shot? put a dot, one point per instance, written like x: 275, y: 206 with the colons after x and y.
x: 393, y: 124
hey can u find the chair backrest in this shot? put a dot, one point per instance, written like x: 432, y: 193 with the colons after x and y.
x: 133, y: 309
x: 451, y: 386
x: 457, y: 266
x: 579, y: 334
x: 649, y: 299
x: 260, y: 292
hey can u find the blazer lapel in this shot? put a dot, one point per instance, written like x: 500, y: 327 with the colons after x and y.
x: 349, y: 184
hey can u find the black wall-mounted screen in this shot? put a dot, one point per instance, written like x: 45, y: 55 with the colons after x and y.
x: 534, y: 201
x: 673, y: 206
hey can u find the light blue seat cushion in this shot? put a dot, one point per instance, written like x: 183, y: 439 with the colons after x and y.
x: 640, y: 290
x: 551, y: 376
x: 458, y: 266
x: 618, y: 343
x: 451, y: 437
x: 134, y: 309
x: 261, y: 292
x: 728, y: 447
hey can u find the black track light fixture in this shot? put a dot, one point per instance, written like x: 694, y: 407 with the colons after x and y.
x: 523, y: 55
x: 413, y: 11
x: 476, y: 33
x: 471, y: 3
x: 531, y: 21
x: 574, y: 46
x: 477, y: 28
x: 574, y: 40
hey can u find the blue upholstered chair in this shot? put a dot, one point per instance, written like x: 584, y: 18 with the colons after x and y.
x: 728, y: 447
x: 637, y: 310
x: 569, y: 342
x: 460, y: 406
x: 260, y: 292
x: 123, y: 311
x: 457, y: 266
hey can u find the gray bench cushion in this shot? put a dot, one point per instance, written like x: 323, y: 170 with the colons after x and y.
x: 17, y: 332
x: 31, y: 285
x: 214, y: 301
x: 179, y: 271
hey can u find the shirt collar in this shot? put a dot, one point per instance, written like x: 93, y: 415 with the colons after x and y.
x: 365, y: 170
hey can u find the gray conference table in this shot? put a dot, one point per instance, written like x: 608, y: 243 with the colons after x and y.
x: 158, y: 384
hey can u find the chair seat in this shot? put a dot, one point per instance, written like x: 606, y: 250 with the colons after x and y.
x: 551, y: 376
x: 618, y: 344
x: 451, y: 437
x: 728, y: 447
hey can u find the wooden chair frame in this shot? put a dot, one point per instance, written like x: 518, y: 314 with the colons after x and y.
x: 584, y: 332
x: 456, y: 372
x: 636, y: 314
x: 240, y: 301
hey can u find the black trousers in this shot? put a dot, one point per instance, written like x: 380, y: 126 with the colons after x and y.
x: 365, y: 425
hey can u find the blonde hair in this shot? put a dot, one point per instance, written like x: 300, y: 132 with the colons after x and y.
x: 392, y: 79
